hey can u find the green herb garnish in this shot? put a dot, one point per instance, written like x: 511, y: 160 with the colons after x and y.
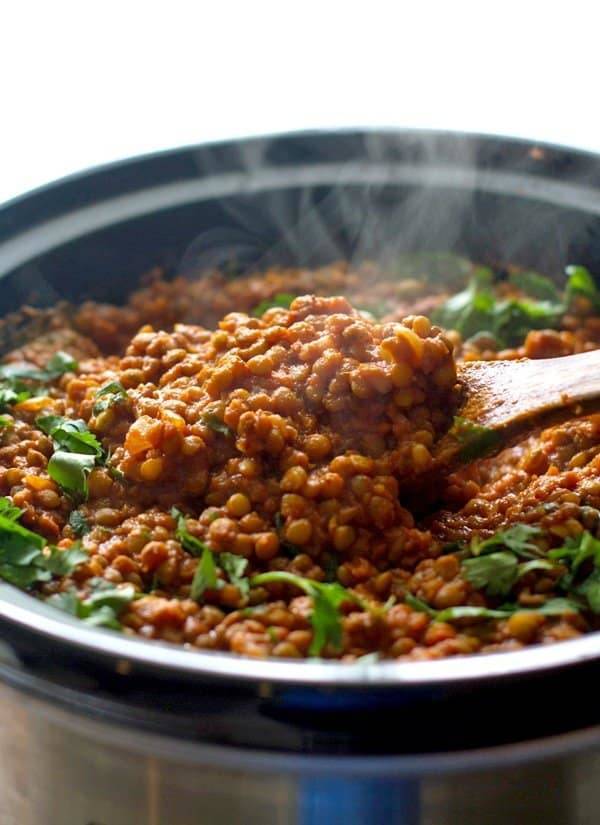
x: 235, y: 567
x: 101, y: 608
x: 60, y: 363
x: 77, y: 451
x: 517, y: 538
x: 18, y: 382
x: 70, y: 471
x: 477, y: 309
x: 553, y: 607
x: 192, y: 544
x: 536, y: 285
x: 581, y: 283
x: 78, y: 523
x: 108, y: 396
x: 214, y: 423
x: 327, y: 599
x: 24, y: 557
x: 475, y: 441
x: 71, y: 435
x: 282, y: 299
x: 205, y: 577
x: 6, y: 422
x: 497, y: 573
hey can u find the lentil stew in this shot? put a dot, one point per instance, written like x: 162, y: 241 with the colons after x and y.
x: 244, y: 464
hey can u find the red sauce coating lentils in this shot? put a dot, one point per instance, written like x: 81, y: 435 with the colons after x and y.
x: 296, y: 440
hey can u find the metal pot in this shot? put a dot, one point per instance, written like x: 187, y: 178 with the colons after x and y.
x: 214, y: 737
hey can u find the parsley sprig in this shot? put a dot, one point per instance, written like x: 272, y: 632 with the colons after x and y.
x: 477, y: 309
x: 20, y: 381
x: 206, y: 576
x: 327, y: 599
x: 110, y: 395
x: 77, y: 451
x: 281, y: 299
x: 496, y: 564
x: 24, y: 556
x: 100, y: 608
x: 475, y: 440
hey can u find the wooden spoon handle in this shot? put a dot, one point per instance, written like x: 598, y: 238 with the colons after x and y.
x: 502, y: 393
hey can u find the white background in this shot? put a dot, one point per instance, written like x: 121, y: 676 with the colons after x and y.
x: 82, y: 83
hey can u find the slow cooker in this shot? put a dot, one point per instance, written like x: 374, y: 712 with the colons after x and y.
x: 98, y: 728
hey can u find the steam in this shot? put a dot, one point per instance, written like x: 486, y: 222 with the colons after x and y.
x: 376, y: 221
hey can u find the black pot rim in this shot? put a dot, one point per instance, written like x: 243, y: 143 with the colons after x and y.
x: 20, y: 611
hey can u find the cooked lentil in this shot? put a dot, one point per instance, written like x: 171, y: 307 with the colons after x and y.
x: 295, y: 442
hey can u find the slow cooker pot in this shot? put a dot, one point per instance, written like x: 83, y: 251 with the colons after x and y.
x: 101, y: 728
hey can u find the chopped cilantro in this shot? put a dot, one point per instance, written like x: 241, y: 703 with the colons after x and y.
x: 24, y: 558
x: 475, y: 441
x: 108, y: 396
x: 581, y: 283
x: 477, y: 309
x: 70, y: 471
x: 100, y: 608
x: 498, y: 572
x: 282, y: 299
x: 18, y: 382
x: 516, y: 538
x: 71, y: 435
x: 205, y: 577
x: 215, y: 423
x: 536, y: 285
x: 235, y: 567
x: 77, y: 451
x: 553, y: 607
x: 60, y: 363
x: 6, y: 422
x: 192, y: 544
x: 327, y: 599
x: 78, y: 523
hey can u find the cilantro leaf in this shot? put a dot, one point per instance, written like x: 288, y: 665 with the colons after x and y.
x: 70, y: 471
x: 476, y: 441
x: 101, y: 608
x: 215, y: 423
x: 62, y: 562
x: 70, y: 434
x: 579, y: 553
x: 235, y: 567
x: 60, y: 363
x: 553, y: 607
x: 206, y: 573
x: 23, y: 560
x: 6, y: 422
x: 108, y: 396
x: 282, y: 299
x: 205, y: 577
x: 18, y: 381
x: 78, y: 523
x: 77, y: 451
x: 536, y: 285
x: 192, y: 544
x: 516, y: 538
x: 590, y: 590
x: 8, y: 510
x: 496, y: 572
x: 477, y: 309
x: 581, y: 283
x: 327, y: 599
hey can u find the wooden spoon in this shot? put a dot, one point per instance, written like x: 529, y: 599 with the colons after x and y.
x: 500, y: 395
